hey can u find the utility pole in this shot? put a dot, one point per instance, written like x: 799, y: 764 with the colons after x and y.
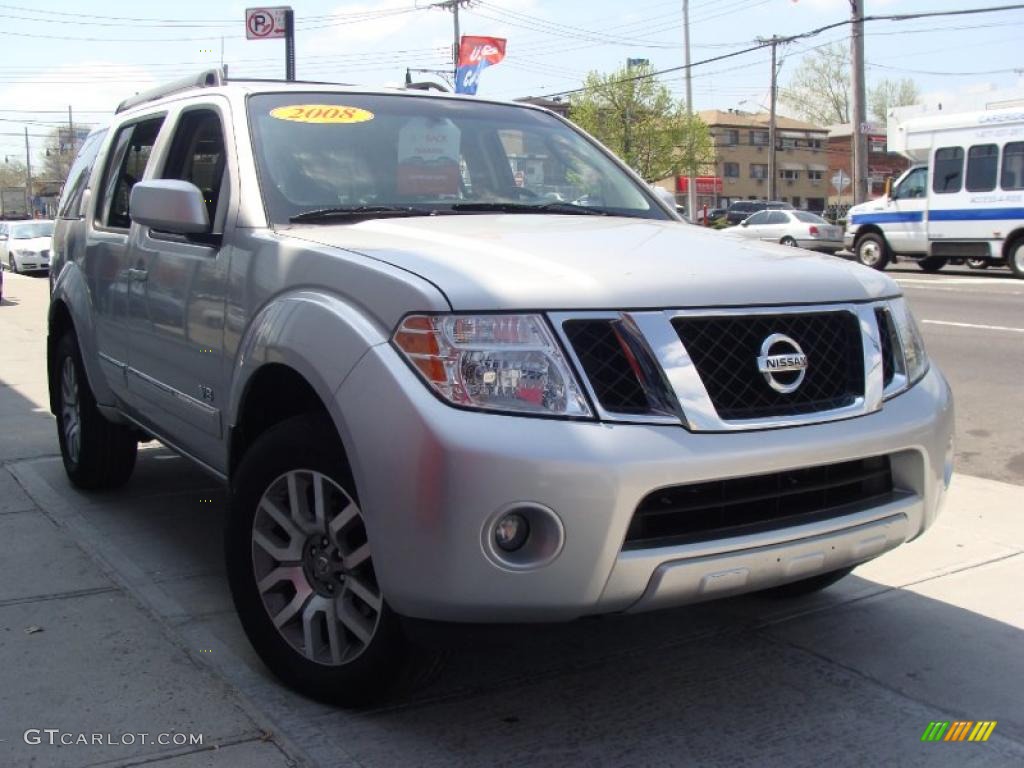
x: 453, y: 6
x: 28, y: 177
x: 860, y: 155
x: 691, y: 182
x: 71, y: 138
x: 773, y: 172
x: 289, y: 44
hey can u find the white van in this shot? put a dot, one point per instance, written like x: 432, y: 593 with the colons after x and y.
x: 962, y: 200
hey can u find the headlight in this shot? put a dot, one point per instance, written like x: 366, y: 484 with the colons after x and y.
x: 492, y: 362
x: 914, y: 359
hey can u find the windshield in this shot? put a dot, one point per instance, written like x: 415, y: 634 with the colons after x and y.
x: 808, y: 218
x: 31, y: 229
x: 318, y: 151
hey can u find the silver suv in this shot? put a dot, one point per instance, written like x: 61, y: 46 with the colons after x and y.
x: 457, y: 362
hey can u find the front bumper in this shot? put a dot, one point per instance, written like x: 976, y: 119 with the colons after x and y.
x: 430, y: 476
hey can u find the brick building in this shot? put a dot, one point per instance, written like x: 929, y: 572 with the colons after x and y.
x: 881, y: 163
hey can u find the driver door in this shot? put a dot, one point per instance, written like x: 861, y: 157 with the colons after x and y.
x: 905, y: 226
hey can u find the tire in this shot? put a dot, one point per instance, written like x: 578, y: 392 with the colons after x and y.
x: 872, y: 251
x: 932, y: 263
x: 1015, y: 258
x: 977, y: 263
x: 806, y: 586
x: 358, y: 661
x: 98, y: 454
x: 788, y: 241
x: 12, y: 265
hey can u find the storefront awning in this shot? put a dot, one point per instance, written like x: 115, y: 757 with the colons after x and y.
x: 817, y: 167
x: 792, y: 166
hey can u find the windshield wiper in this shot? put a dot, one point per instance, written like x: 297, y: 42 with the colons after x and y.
x: 361, y: 212
x: 553, y: 207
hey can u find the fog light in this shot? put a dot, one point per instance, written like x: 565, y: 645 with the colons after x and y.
x: 511, y: 532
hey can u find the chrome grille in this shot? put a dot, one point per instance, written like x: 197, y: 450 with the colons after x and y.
x: 725, y: 348
x: 607, y: 365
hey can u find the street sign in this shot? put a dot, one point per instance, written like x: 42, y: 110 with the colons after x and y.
x: 840, y: 181
x: 265, y: 23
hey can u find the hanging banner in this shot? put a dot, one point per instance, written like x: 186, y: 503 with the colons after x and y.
x: 476, y: 54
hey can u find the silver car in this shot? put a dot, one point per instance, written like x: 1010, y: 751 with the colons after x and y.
x: 438, y: 394
x: 800, y: 229
x: 25, y: 245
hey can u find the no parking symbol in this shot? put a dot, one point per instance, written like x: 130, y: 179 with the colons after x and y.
x: 265, y: 23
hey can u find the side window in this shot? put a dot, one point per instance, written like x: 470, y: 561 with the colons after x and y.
x: 78, y: 177
x: 1013, y: 166
x: 126, y: 165
x: 761, y: 217
x: 949, y: 170
x: 913, y: 186
x: 197, y: 155
x: 982, y: 168
x: 777, y: 217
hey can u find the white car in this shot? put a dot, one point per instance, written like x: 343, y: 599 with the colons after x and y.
x: 796, y: 228
x: 25, y: 245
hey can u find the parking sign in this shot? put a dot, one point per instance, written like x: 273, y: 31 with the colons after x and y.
x: 265, y: 23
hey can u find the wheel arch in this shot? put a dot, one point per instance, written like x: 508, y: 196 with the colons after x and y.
x: 1011, y: 241
x: 872, y: 229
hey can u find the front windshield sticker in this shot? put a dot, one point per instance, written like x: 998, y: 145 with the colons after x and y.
x: 427, y: 157
x: 321, y: 113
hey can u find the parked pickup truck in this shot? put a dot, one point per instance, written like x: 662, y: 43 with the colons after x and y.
x: 439, y: 394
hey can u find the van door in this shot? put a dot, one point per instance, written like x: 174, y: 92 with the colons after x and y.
x: 960, y: 208
x: 903, y: 217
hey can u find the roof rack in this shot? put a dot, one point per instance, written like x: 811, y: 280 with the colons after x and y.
x: 208, y: 79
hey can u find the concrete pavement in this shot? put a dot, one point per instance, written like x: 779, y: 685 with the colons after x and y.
x: 138, y: 635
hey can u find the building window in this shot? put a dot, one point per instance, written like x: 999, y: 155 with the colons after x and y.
x: 789, y: 174
x: 876, y: 144
x: 982, y: 168
x: 730, y: 138
x: 788, y: 143
x: 759, y: 170
x: 949, y: 170
x: 731, y: 170
x: 815, y: 175
x: 814, y: 143
x: 759, y: 138
x: 1013, y: 165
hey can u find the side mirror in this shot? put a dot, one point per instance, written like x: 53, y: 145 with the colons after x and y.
x: 743, y: 223
x: 169, y: 205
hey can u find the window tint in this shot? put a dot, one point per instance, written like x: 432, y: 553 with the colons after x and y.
x: 982, y: 168
x: 777, y: 217
x: 197, y: 155
x: 1013, y: 166
x: 758, y: 218
x: 78, y: 177
x: 126, y: 166
x: 949, y: 170
x: 913, y: 185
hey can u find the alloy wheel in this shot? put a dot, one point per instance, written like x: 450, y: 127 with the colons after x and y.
x: 313, y: 567
x: 71, y: 414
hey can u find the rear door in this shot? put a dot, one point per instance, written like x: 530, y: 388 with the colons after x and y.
x: 776, y: 226
x: 112, y: 282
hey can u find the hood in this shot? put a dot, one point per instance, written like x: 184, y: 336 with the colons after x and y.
x: 527, y: 261
x: 34, y: 244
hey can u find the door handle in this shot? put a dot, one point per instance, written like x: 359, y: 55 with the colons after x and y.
x: 138, y: 275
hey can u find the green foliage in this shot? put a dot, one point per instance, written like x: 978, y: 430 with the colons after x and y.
x: 891, y: 93
x: 641, y: 123
x: 819, y: 91
x: 12, y: 173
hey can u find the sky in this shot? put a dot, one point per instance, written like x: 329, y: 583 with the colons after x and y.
x: 90, y: 54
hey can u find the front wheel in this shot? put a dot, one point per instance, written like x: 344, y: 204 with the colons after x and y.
x: 807, y: 586
x: 977, y: 263
x: 932, y: 263
x: 302, y: 573
x: 872, y: 251
x: 12, y: 265
x: 1016, y: 260
x: 97, y: 454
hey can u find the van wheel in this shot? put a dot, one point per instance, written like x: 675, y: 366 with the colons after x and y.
x: 301, y: 570
x: 806, y: 586
x: 932, y: 263
x: 872, y: 251
x: 1016, y: 259
x: 977, y: 263
x: 97, y: 454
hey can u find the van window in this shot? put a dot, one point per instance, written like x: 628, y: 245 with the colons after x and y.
x: 1013, y: 166
x: 913, y: 186
x: 982, y: 168
x: 78, y: 177
x: 949, y: 170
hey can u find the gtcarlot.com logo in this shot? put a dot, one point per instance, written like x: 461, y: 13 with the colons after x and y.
x: 57, y: 737
x: 958, y: 730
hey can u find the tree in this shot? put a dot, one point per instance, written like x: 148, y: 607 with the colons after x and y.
x: 891, y: 93
x: 12, y: 173
x: 820, y: 89
x: 58, y: 153
x: 637, y: 118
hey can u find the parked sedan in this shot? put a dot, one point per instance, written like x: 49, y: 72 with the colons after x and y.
x: 25, y: 245
x: 796, y: 228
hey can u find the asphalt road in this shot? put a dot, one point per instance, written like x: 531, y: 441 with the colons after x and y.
x: 973, y: 324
